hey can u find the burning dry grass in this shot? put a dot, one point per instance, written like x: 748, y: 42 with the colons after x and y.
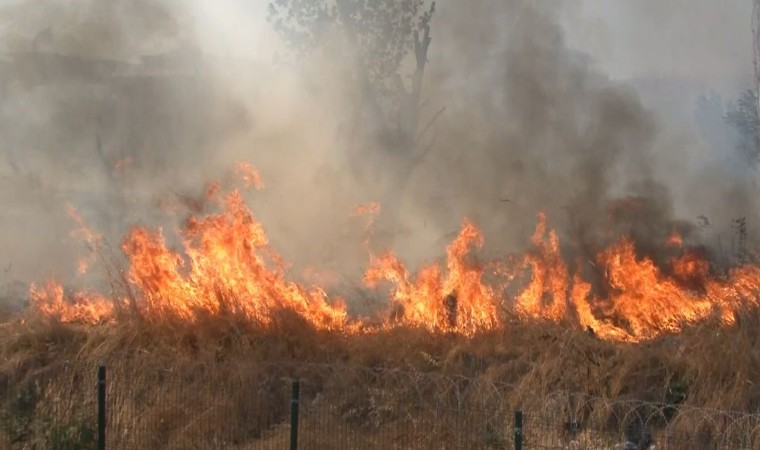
x: 226, y: 267
x: 223, y: 312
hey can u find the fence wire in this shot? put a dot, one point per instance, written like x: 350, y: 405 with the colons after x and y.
x: 338, y: 407
x: 51, y: 409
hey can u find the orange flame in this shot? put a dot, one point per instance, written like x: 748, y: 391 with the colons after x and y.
x: 369, y: 211
x: 225, y: 266
x: 643, y: 297
x: 230, y: 269
x: 249, y: 175
x: 50, y: 301
x: 457, y: 301
x: 91, y: 238
x: 549, y: 277
x: 674, y: 240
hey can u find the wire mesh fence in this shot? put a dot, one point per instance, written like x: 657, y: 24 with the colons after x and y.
x: 55, y: 408
x: 336, y: 407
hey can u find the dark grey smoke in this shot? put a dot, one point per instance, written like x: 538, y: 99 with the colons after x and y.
x: 529, y: 125
x: 531, y: 121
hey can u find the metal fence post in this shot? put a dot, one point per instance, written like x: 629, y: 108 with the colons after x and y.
x: 101, y: 408
x: 518, y: 430
x: 294, y: 414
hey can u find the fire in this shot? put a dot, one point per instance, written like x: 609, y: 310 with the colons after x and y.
x: 370, y: 209
x: 369, y: 212
x: 228, y: 268
x: 641, y: 300
x: 91, y: 238
x: 249, y: 175
x: 546, y: 294
x: 674, y: 239
x: 224, y: 266
x: 643, y: 297
x: 454, y: 300
x: 50, y: 301
x: 691, y: 268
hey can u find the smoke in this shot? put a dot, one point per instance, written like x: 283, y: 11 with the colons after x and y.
x: 534, y: 121
x: 108, y: 29
x: 655, y: 47
x: 631, y: 38
x: 154, y: 99
x: 543, y: 129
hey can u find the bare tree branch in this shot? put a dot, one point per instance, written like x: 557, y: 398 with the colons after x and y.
x: 430, y: 123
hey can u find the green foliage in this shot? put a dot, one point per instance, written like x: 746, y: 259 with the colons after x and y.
x: 494, y: 438
x: 18, y: 415
x: 73, y: 436
x: 27, y: 426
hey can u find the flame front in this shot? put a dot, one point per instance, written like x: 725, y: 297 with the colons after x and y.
x: 50, y: 301
x: 231, y: 270
x: 227, y: 267
x: 643, y: 298
x: 456, y: 300
x: 549, y: 281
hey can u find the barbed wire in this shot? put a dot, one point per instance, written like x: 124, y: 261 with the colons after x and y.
x: 370, y: 398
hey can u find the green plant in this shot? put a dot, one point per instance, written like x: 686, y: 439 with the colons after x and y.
x: 73, y: 436
x: 676, y: 394
x: 18, y: 414
x: 494, y: 438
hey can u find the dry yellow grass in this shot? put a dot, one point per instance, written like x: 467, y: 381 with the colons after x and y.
x: 180, y: 386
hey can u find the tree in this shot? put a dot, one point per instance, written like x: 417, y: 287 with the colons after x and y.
x: 709, y: 116
x: 743, y: 117
x: 382, y: 34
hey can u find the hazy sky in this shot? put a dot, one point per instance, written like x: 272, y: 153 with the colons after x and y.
x: 709, y: 40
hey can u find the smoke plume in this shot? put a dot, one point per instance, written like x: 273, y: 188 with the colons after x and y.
x: 116, y: 107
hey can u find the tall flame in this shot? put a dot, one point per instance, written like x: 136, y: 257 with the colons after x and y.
x: 230, y: 269
x: 546, y: 294
x: 454, y: 300
x: 227, y: 267
x: 649, y: 302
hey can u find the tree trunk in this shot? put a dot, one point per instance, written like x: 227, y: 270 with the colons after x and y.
x: 375, y: 114
x: 413, y: 149
x: 399, y: 139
